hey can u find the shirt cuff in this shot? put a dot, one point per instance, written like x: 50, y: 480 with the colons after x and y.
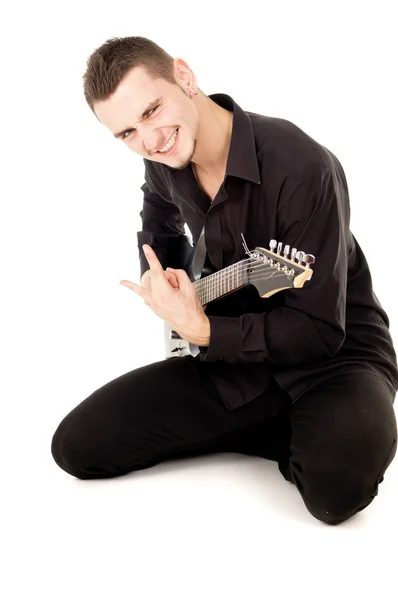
x: 225, y: 339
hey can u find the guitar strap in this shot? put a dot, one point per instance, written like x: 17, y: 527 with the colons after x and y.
x: 199, y: 257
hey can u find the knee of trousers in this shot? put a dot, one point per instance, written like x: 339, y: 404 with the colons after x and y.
x: 335, y: 492
x: 79, y: 451
x: 85, y: 449
x: 68, y: 451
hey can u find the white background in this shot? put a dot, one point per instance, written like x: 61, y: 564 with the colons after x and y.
x: 224, y: 526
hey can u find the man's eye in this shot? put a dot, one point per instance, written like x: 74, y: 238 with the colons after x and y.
x: 153, y: 110
x: 127, y: 133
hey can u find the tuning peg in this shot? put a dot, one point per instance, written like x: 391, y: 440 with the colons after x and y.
x: 279, y: 248
x: 286, y: 251
x: 309, y: 259
x: 294, y: 250
x: 272, y: 245
x: 299, y: 257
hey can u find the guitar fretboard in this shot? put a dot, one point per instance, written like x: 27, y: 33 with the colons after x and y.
x: 221, y: 283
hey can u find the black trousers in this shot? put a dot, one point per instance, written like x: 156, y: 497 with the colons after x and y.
x: 334, y: 443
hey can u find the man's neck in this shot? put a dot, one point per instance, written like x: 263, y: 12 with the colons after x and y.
x: 213, y: 137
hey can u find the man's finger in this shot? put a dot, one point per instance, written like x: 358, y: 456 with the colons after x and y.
x: 153, y: 261
x: 136, y: 288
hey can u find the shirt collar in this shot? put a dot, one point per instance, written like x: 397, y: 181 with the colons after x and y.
x: 242, y: 156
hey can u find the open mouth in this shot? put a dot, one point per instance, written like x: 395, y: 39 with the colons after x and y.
x: 171, y: 144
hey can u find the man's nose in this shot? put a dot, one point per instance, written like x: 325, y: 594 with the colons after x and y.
x: 151, y: 139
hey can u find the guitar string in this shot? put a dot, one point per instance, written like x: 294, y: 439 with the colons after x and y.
x: 210, y: 290
x: 214, y: 280
x: 218, y: 282
x: 232, y: 269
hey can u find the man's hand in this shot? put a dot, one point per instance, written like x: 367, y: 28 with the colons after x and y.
x: 146, y: 279
x: 179, y: 306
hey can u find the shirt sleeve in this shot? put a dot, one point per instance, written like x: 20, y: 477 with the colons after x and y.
x: 313, y: 216
x: 162, y: 225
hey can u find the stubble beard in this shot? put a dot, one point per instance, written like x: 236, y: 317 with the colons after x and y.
x: 187, y: 162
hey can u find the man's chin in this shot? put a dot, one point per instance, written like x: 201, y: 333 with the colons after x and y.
x: 184, y: 165
x: 181, y: 166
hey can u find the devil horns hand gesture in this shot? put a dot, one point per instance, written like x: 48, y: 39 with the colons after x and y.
x: 179, y: 306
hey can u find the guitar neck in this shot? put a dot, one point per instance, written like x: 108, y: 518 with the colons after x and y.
x: 269, y: 271
x: 221, y: 283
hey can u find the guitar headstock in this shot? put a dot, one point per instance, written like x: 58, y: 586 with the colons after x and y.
x: 273, y: 270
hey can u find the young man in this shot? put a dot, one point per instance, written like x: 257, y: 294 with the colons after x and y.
x: 307, y: 377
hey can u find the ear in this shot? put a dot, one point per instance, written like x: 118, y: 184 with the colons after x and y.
x: 183, y: 74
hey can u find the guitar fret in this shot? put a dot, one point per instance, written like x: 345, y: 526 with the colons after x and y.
x: 218, y: 284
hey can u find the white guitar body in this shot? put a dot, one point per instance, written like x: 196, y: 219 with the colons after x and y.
x: 176, y: 346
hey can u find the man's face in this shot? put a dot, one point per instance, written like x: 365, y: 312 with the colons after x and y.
x: 171, y: 123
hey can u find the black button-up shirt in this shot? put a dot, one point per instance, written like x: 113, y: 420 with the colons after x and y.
x: 279, y: 184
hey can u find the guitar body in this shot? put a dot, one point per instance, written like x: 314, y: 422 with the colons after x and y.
x: 250, y: 285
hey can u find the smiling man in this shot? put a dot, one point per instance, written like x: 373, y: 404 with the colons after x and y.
x: 156, y: 119
x: 306, y: 377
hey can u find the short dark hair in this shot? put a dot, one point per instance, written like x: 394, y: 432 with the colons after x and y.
x: 110, y: 63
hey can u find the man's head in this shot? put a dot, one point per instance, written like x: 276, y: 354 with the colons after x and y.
x: 144, y: 97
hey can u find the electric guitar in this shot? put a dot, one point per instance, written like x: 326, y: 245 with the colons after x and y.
x: 269, y: 271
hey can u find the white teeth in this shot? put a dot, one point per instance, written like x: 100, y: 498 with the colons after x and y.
x: 170, y: 143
